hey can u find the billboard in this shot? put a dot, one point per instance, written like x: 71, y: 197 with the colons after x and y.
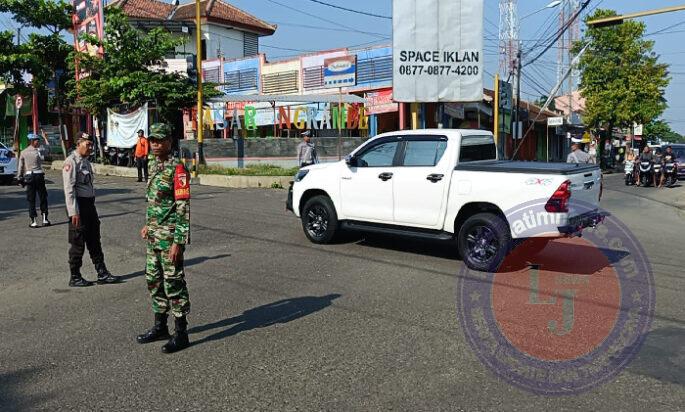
x: 438, y: 50
x: 380, y: 102
x: 340, y: 71
x: 88, y: 18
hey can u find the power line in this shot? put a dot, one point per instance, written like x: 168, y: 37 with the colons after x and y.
x: 304, y: 26
x: 326, y: 20
x: 351, y: 10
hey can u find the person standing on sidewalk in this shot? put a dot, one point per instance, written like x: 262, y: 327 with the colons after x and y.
x: 32, y: 175
x: 166, y: 232
x: 306, y: 151
x: 141, y: 153
x: 84, y: 223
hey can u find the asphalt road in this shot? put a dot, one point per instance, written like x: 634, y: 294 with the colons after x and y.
x: 278, y: 323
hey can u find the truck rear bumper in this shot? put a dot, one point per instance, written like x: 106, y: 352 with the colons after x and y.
x: 576, y: 224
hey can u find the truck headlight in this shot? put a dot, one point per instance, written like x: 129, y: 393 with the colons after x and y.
x: 301, y: 174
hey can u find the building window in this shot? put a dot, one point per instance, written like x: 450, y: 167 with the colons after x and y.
x: 250, y: 44
x: 312, y: 78
x: 374, y: 70
x: 283, y: 82
x: 240, y: 80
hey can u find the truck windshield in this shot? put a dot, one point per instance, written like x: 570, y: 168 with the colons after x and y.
x: 477, y: 147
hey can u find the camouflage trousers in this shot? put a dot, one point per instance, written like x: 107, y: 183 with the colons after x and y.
x: 166, y: 282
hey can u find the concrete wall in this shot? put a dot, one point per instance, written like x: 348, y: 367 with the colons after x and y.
x: 281, y: 152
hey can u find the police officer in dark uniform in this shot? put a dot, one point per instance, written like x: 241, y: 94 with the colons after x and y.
x: 84, y: 223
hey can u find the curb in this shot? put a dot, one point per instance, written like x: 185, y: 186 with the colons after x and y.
x: 233, y: 181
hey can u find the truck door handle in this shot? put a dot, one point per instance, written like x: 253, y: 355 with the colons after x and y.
x: 434, y: 177
x: 385, y: 176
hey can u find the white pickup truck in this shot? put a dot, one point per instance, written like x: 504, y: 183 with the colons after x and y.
x: 445, y: 184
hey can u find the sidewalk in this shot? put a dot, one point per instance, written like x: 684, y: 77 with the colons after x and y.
x: 234, y: 182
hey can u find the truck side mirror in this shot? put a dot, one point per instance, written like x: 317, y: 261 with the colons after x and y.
x: 351, y: 161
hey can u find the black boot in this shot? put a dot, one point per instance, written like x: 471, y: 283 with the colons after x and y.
x: 76, y: 280
x: 158, y: 332
x: 104, y: 277
x: 180, y: 339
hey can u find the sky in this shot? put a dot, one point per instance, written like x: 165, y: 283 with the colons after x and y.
x: 306, y: 25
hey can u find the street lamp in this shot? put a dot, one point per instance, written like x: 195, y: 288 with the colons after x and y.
x: 551, y: 5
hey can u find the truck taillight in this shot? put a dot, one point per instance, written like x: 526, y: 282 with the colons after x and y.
x: 558, y: 203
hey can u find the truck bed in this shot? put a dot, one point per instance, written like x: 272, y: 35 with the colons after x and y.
x: 508, y: 166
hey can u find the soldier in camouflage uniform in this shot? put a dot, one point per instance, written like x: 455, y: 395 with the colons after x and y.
x: 166, y: 231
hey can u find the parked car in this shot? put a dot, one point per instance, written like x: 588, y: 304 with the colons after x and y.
x: 679, y: 151
x: 442, y: 184
x: 8, y: 164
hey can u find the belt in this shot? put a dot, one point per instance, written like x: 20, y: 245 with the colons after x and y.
x: 34, y: 173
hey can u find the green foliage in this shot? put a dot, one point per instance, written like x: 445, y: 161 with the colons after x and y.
x: 49, y: 14
x: 622, y: 80
x: 254, y: 169
x: 123, y: 76
x: 660, y: 129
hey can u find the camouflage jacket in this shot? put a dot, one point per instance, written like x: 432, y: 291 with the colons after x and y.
x: 167, y: 219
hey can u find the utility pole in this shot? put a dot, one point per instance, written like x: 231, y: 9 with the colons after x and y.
x: 508, y: 37
x: 517, y: 117
x: 198, y: 46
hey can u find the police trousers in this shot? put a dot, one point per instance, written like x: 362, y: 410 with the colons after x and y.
x: 86, y: 235
x: 166, y: 282
x: 35, y: 183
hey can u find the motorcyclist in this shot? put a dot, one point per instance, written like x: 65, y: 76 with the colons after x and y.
x: 645, y: 156
x: 668, y: 158
x: 658, y: 167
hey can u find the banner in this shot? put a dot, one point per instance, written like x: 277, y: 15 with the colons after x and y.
x: 438, y: 50
x: 340, y: 71
x: 122, y: 129
x: 380, y: 102
x: 88, y: 18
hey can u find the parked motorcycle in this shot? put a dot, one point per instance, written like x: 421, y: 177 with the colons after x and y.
x: 656, y: 169
x: 111, y: 154
x: 670, y: 174
x: 122, y: 157
x: 646, y: 173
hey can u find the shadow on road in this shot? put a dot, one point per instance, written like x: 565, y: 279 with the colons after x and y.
x: 434, y: 248
x: 200, y: 259
x: 662, y: 356
x: 283, y: 311
x: 13, y: 397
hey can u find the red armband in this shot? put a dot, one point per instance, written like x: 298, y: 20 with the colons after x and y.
x: 181, y: 183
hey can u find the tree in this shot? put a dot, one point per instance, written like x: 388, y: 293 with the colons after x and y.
x: 661, y: 130
x: 123, y: 75
x: 622, y: 79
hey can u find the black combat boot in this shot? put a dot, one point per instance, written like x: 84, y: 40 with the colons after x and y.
x: 180, y: 339
x: 76, y: 280
x: 158, y: 332
x: 104, y: 277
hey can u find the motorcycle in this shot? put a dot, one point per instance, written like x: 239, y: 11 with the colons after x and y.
x: 646, y: 173
x: 670, y: 174
x: 122, y: 157
x: 111, y: 155
x: 656, y: 170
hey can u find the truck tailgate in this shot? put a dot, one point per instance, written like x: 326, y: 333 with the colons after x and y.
x: 585, y: 191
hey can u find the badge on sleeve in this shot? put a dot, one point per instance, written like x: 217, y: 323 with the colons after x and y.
x: 181, y: 183
x: 67, y: 167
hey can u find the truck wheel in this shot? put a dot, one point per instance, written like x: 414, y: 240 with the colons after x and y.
x: 484, y: 241
x: 319, y: 219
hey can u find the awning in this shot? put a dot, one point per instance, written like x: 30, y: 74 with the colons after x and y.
x: 298, y: 98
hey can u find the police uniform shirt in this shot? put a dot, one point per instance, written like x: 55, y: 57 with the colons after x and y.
x: 78, y: 181
x: 30, y: 161
x: 306, y: 153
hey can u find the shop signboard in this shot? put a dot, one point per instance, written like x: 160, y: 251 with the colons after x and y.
x: 380, y: 102
x: 555, y: 121
x: 340, y: 71
x: 438, y: 50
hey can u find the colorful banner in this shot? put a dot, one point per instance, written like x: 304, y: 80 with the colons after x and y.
x: 380, y: 102
x: 88, y: 18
